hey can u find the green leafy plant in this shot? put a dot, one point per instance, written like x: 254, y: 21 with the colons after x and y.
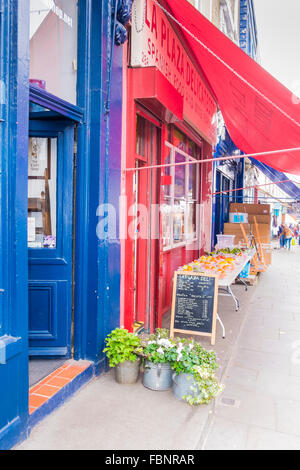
x: 205, y: 386
x: 121, y: 346
x: 191, y: 354
x: 158, y: 348
x: 201, y: 365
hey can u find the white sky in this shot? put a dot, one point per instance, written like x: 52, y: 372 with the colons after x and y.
x: 278, y: 24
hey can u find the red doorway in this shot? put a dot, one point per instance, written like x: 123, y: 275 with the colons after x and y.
x: 146, y: 226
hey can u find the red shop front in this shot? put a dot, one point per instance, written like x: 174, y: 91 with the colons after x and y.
x: 169, y: 117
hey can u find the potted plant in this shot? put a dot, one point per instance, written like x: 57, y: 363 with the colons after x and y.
x: 195, y: 378
x: 159, y: 351
x: 122, y: 350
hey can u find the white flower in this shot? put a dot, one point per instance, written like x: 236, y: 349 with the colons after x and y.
x: 151, y: 342
x: 160, y: 351
x: 179, y: 357
x: 191, y: 346
x: 203, y: 372
x: 165, y: 343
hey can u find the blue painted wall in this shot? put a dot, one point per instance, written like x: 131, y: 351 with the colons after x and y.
x: 97, y: 262
x: 97, y: 303
x: 14, y: 24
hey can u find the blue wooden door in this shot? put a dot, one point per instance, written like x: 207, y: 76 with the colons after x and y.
x: 50, y: 217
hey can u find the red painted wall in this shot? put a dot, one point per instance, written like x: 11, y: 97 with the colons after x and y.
x: 139, y: 95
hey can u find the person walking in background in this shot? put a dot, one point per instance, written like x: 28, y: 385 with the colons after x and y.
x: 281, y: 236
x: 298, y: 230
x: 287, y: 235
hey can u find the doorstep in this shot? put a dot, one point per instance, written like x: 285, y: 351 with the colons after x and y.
x: 53, y: 390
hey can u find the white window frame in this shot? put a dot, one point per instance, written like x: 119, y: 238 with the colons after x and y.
x: 185, y: 198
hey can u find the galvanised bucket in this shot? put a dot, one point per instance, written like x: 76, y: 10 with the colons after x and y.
x: 127, y: 372
x: 183, y: 385
x: 157, y: 376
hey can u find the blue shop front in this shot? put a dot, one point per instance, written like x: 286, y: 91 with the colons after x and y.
x: 60, y: 160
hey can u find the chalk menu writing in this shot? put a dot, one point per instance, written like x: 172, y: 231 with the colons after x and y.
x: 194, y: 305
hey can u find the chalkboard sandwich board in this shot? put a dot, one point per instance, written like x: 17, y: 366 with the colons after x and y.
x: 194, y: 305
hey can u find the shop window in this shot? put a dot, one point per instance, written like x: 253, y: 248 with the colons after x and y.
x: 178, y: 139
x: 167, y: 173
x: 193, y: 181
x: 166, y: 211
x: 42, y: 188
x: 180, y: 174
x: 140, y: 135
x: 191, y: 217
x: 178, y: 221
x: 53, y: 46
x: 179, y: 207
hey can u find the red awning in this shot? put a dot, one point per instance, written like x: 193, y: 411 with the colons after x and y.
x: 260, y: 113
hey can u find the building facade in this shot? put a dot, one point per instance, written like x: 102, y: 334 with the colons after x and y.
x: 60, y: 164
x: 228, y: 175
x: 236, y: 19
x: 169, y: 119
x: 102, y: 191
x: 248, y: 29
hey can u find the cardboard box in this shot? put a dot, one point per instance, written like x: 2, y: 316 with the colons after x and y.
x: 233, y: 229
x: 263, y: 209
x: 260, y: 219
x: 264, y: 232
x: 240, y: 239
x: 238, y: 218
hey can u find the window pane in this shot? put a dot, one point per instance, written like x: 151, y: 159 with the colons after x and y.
x: 179, y: 187
x: 140, y: 135
x: 192, y: 190
x: 166, y: 212
x: 168, y: 172
x: 53, y: 46
x: 191, y: 215
x: 179, y: 139
x: 42, y: 187
x: 191, y: 148
x: 178, y: 221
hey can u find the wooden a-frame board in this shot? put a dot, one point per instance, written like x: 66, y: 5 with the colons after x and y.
x: 173, y: 330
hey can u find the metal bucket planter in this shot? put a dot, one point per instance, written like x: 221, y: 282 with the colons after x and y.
x: 157, y: 376
x: 184, y: 385
x: 127, y: 372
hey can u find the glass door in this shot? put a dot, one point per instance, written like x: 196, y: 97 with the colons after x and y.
x: 50, y: 219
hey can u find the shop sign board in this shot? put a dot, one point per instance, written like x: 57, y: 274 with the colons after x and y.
x: 155, y: 44
x: 194, y: 306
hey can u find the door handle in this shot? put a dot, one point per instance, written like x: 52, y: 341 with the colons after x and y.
x: 2, y: 291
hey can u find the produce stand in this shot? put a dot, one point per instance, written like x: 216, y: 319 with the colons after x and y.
x: 225, y: 283
x: 226, y: 276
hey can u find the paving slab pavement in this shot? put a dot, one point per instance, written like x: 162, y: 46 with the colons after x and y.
x: 259, y: 364
x: 261, y: 400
